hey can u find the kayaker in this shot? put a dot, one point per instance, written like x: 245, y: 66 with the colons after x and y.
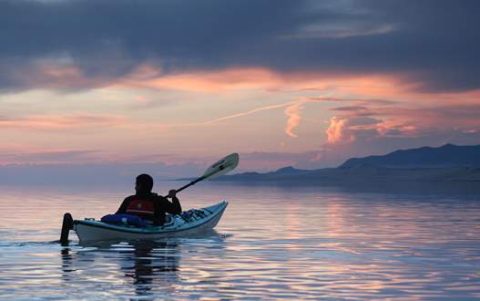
x: 148, y: 205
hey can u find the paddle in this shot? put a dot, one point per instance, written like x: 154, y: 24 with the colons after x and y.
x: 219, y: 168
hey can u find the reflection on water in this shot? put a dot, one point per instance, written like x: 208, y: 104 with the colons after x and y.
x: 148, y: 266
x: 272, y: 243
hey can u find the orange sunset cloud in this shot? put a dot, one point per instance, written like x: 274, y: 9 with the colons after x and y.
x: 59, y: 122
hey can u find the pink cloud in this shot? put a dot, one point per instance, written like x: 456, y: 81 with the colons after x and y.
x: 236, y: 79
x: 293, y: 113
x: 365, y: 108
x: 59, y: 122
x: 345, y: 129
x: 249, y: 112
x: 400, y: 120
x: 58, y: 75
x: 336, y: 131
x: 52, y: 156
x: 202, y: 81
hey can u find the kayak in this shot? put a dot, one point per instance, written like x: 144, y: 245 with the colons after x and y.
x: 116, y: 226
x: 190, y: 222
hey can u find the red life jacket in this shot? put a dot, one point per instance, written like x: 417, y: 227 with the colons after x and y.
x: 141, y: 207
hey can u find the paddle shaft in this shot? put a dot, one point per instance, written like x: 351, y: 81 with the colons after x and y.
x: 199, y: 179
x: 191, y: 183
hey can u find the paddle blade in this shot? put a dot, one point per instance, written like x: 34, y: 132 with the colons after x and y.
x: 222, y: 166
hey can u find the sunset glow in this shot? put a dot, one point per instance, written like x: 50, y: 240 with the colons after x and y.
x: 291, y: 89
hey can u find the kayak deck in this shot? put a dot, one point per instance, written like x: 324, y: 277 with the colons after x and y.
x: 189, y: 222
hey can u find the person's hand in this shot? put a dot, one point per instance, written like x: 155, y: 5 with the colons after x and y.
x: 172, y: 193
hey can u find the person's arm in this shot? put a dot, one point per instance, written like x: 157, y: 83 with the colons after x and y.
x: 123, y: 206
x: 174, y: 207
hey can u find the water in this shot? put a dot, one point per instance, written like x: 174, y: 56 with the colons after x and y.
x: 272, y: 243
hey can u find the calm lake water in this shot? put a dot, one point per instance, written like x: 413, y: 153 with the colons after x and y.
x: 272, y: 243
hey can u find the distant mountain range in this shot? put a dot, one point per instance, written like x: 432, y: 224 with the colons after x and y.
x: 448, y: 155
x: 448, y: 163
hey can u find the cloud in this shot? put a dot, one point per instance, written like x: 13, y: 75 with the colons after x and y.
x: 374, y: 129
x: 293, y: 113
x: 242, y: 114
x: 89, y: 43
x: 47, y: 156
x: 216, y: 81
x: 336, y: 131
x: 348, y: 129
x: 60, y: 122
x: 369, y: 122
x: 93, y: 174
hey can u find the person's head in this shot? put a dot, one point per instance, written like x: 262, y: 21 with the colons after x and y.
x: 143, y: 184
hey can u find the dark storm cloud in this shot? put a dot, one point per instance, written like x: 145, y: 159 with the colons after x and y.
x: 435, y: 43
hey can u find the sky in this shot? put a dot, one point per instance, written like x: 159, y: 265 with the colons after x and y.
x: 182, y: 83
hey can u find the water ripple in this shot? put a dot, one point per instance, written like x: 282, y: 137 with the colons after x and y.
x: 309, y: 246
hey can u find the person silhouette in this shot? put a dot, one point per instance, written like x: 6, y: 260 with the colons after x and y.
x: 148, y: 205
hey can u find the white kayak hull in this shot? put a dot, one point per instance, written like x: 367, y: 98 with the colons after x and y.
x: 92, y: 230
